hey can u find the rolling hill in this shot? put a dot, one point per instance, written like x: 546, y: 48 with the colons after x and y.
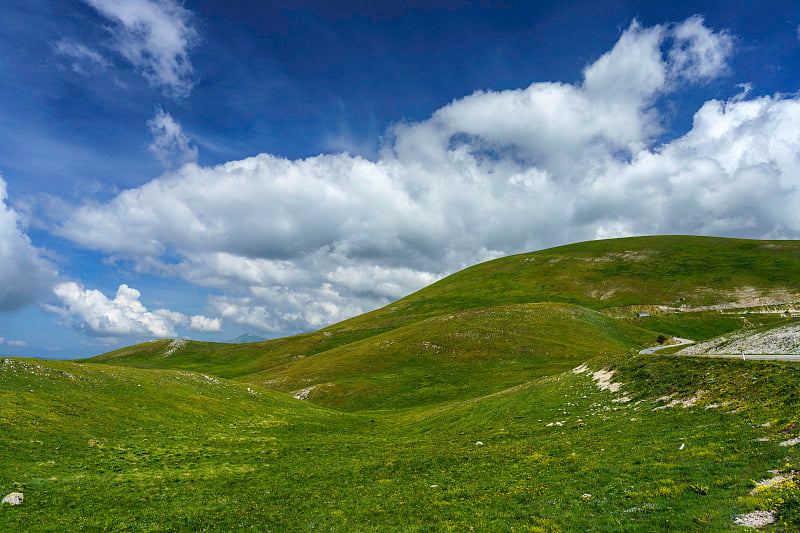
x: 509, y: 395
x: 582, y: 300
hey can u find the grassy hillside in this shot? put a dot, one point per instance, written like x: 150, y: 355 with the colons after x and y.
x: 112, y: 448
x: 452, y: 357
x: 439, y: 359
x: 661, y: 270
x: 227, y: 360
x: 507, y: 396
x: 704, y: 325
x: 97, y: 447
x: 407, y: 353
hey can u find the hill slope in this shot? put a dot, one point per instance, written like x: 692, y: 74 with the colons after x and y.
x: 378, y: 360
x: 617, y: 444
x: 439, y: 359
x: 675, y: 271
x: 453, y: 357
x: 506, y: 396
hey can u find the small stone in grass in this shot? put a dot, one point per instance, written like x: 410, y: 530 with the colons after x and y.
x: 756, y: 519
x: 479, y: 443
x: 15, y: 498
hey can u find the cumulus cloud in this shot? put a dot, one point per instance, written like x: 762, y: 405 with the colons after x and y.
x: 170, y: 145
x: 91, y: 311
x: 697, y: 52
x: 24, y: 273
x: 155, y: 36
x: 290, y: 245
x: 204, y: 323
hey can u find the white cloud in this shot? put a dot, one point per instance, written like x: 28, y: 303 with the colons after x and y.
x: 697, y: 52
x: 15, y: 343
x: 297, y: 244
x: 92, y: 312
x: 155, y: 36
x: 84, y: 58
x: 24, y: 273
x: 280, y: 310
x: 633, y: 71
x: 204, y: 323
x: 170, y: 145
x: 124, y: 315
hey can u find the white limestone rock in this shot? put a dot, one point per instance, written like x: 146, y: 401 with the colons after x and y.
x: 15, y: 498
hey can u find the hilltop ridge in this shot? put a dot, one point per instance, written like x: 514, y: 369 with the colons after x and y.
x: 620, y: 295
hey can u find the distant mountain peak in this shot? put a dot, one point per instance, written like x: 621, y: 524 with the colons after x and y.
x: 246, y: 337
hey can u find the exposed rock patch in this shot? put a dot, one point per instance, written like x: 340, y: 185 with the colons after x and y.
x: 602, y: 379
x: 755, y: 519
x: 174, y: 346
x: 781, y: 340
x: 15, y: 498
x: 767, y: 484
x: 686, y: 402
x: 304, y: 394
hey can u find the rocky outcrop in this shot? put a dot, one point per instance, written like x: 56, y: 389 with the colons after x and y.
x: 782, y: 340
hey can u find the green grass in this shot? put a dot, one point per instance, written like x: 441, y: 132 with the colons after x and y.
x: 455, y: 408
x: 440, y: 359
x: 663, y: 270
x: 705, y: 325
x: 603, y: 275
x: 378, y: 360
x: 130, y: 449
x: 458, y: 356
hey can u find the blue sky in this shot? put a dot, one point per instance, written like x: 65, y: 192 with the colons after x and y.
x: 204, y: 169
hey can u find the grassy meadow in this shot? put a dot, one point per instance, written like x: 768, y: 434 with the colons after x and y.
x: 507, y: 397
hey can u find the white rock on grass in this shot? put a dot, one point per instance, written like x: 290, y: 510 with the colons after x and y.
x: 15, y: 498
x: 777, y: 481
x: 780, y: 340
x: 602, y: 379
x: 756, y: 519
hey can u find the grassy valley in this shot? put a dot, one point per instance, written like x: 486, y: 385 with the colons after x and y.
x: 508, y: 396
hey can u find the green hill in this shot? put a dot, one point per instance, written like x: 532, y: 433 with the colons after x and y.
x: 680, y: 446
x: 439, y: 359
x: 458, y: 356
x: 662, y: 270
x: 378, y: 360
x: 508, y: 396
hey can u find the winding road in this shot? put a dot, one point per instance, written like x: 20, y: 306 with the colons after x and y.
x: 681, y: 342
